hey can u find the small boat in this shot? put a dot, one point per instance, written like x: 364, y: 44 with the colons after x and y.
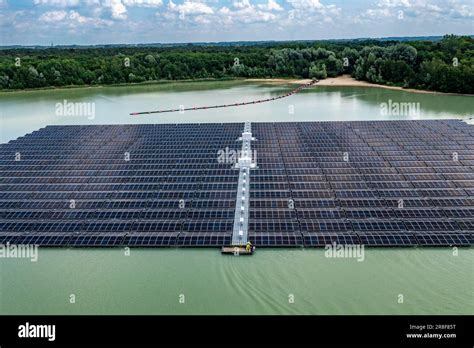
x: 237, y: 250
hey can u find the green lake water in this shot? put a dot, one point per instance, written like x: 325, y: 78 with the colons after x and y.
x: 153, y: 281
x: 24, y: 112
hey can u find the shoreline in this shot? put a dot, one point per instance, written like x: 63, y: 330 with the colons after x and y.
x: 340, y: 81
x: 349, y: 81
x: 85, y: 87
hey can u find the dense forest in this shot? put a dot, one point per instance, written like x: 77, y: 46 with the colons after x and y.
x: 446, y: 65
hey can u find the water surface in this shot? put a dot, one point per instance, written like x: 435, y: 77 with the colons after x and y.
x: 151, y: 281
x: 24, y: 112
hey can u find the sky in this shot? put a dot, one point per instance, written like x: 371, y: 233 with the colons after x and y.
x: 86, y: 22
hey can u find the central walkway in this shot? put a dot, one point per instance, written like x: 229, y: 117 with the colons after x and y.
x: 242, y: 204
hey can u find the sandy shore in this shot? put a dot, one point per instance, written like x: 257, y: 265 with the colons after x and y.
x: 348, y: 81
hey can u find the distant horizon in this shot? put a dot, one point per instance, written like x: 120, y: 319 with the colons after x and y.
x: 142, y: 22
x: 249, y: 42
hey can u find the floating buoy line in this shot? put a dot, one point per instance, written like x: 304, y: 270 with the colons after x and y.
x: 296, y: 90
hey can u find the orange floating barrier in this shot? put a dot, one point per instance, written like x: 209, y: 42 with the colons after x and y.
x: 296, y: 90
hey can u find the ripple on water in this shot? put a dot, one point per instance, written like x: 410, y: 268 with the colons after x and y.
x: 432, y: 281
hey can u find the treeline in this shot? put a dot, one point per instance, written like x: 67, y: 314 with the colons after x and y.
x: 446, y: 65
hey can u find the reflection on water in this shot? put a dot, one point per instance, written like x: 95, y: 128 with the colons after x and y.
x: 24, y: 112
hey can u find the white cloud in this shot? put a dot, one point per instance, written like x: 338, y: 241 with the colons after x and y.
x: 224, y: 10
x: 311, y: 12
x: 71, y: 19
x: 241, y: 4
x: 394, y: 3
x: 458, y: 10
x: 200, y: 12
x: 106, y: 3
x: 271, y: 5
x: 245, y: 12
x: 377, y: 13
x: 428, y: 9
x: 97, y: 11
x: 58, y: 3
x: 434, y: 8
x: 202, y: 20
x: 117, y: 9
x: 307, y: 8
x: 144, y: 3
x: 309, y: 5
x: 53, y: 16
x: 76, y: 17
x: 245, y: 8
x: 184, y: 20
x: 190, y: 7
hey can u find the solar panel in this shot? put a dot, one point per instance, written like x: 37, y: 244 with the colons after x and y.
x: 444, y: 239
x: 9, y: 238
x: 324, y: 214
x: 275, y: 239
x: 459, y: 213
x: 150, y: 239
x: 370, y: 182
x: 369, y: 214
x: 44, y: 239
x: 431, y: 225
x: 419, y: 213
x: 387, y: 239
x: 466, y: 224
x: 96, y: 240
x: 204, y: 239
x: 325, y: 226
x: 377, y: 225
x: 320, y: 240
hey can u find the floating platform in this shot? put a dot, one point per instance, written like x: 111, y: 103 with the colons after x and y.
x: 375, y: 183
x: 237, y: 250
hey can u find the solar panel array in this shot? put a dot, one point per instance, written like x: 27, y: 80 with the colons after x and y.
x: 139, y: 185
x: 377, y: 183
x: 394, y: 183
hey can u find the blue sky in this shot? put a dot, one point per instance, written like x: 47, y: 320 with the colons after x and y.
x: 29, y: 22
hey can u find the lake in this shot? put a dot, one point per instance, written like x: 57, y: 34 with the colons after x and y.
x: 24, y: 112
x: 202, y: 281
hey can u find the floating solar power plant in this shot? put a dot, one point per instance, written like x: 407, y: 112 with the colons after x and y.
x: 118, y: 185
x: 271, y: 191
x: 376, y: 183
x: 356, y: 182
